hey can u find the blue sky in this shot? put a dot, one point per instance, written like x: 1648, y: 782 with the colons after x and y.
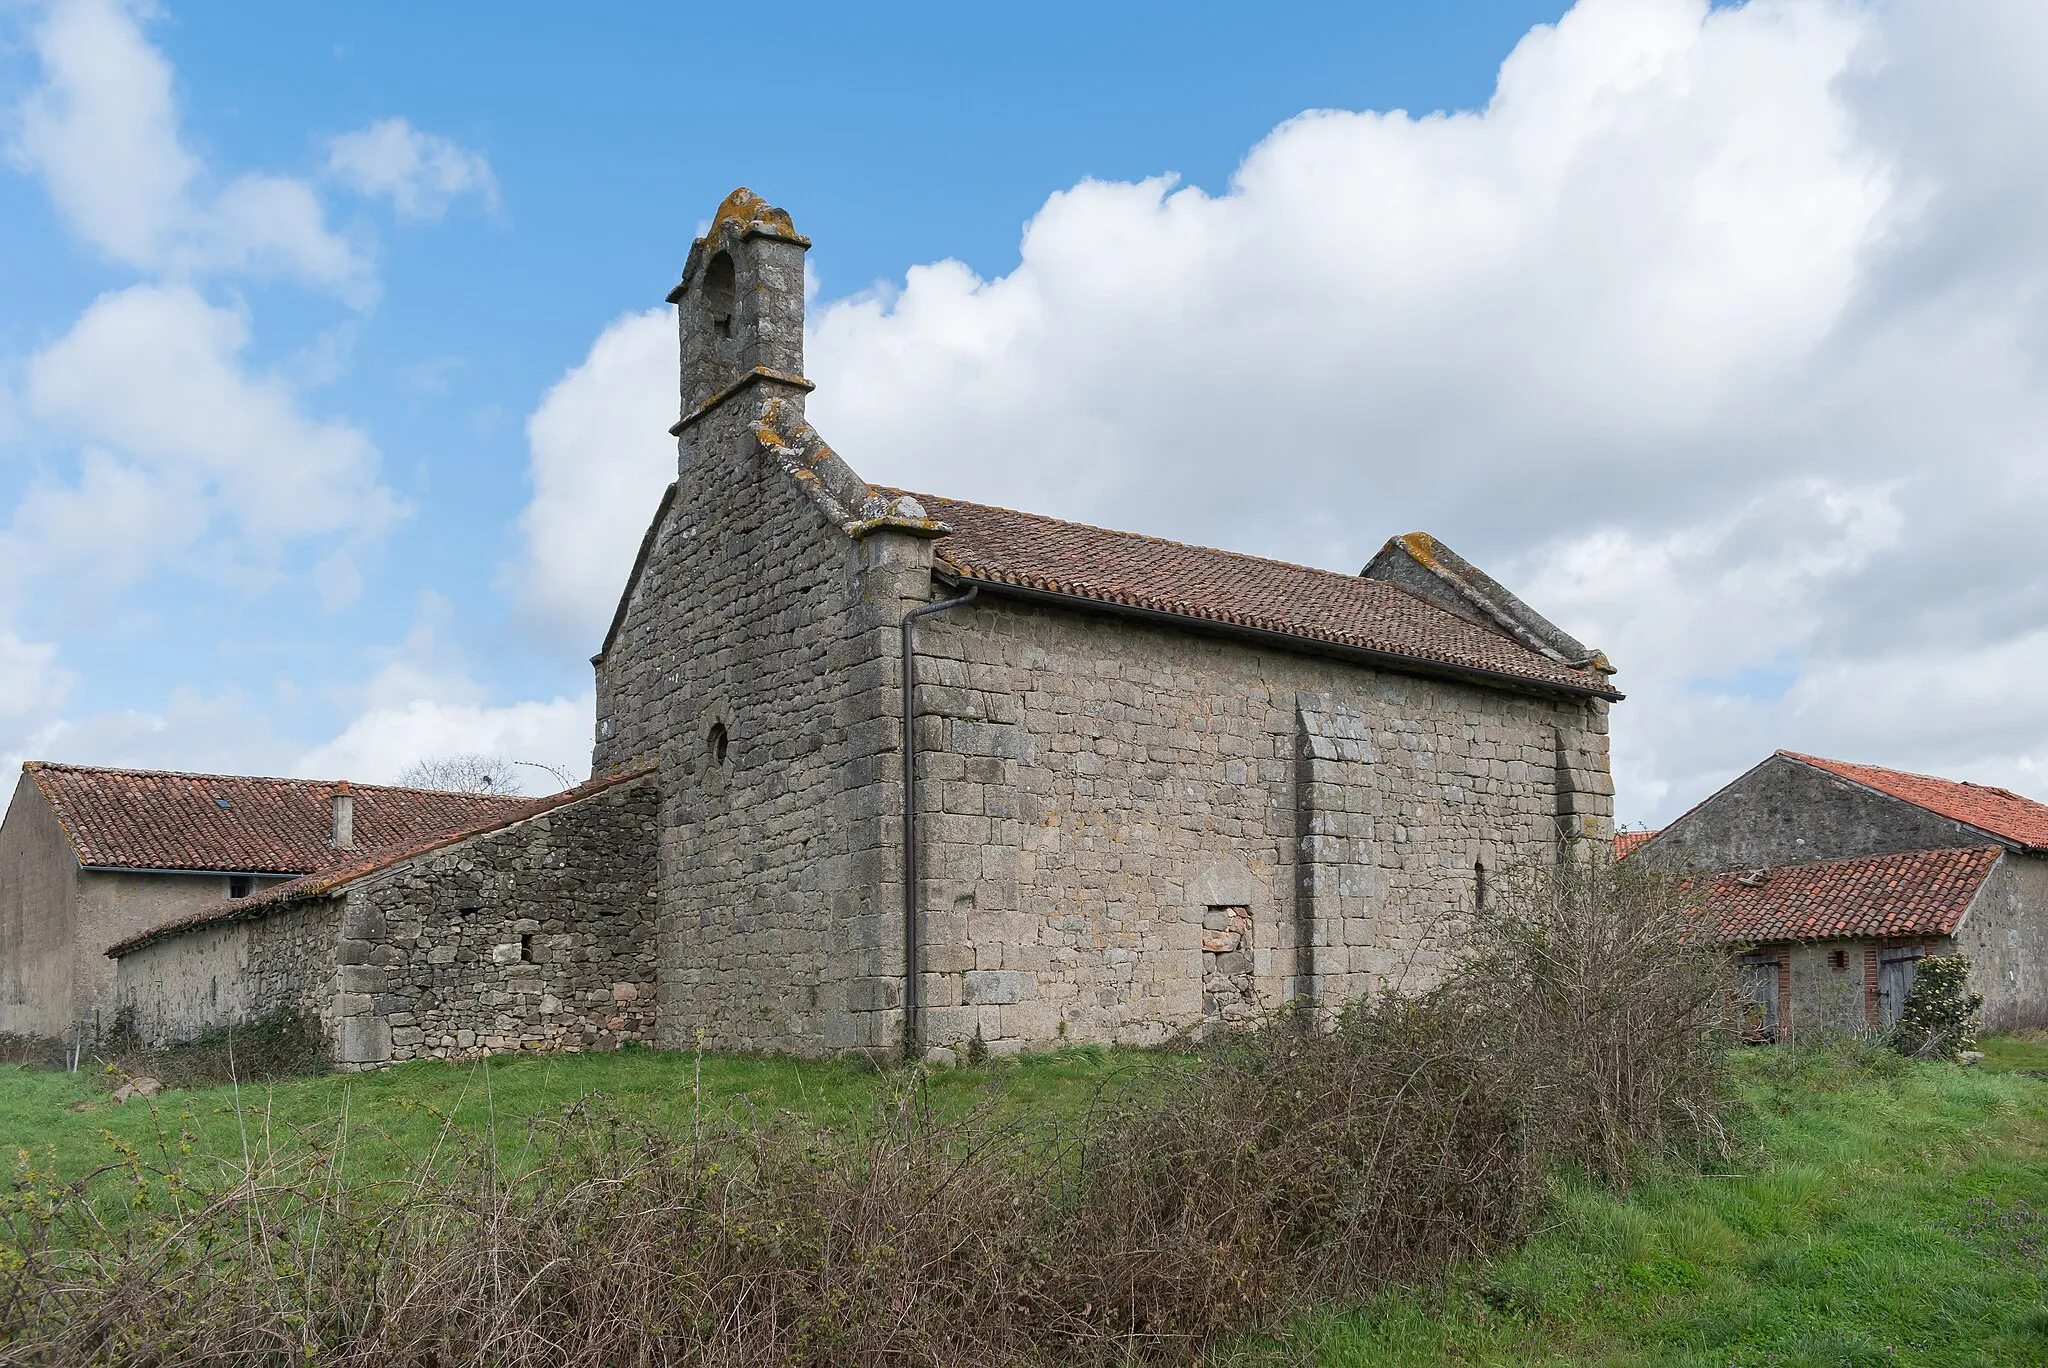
x: 1699, y: 327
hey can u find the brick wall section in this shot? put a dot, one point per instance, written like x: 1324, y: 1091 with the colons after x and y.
x: 535, y: 936
x: 1090, y: 789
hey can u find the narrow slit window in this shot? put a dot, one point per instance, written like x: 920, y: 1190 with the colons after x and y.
x: 1479, y: 885
x: 715, y: 745
x: 526, y: 948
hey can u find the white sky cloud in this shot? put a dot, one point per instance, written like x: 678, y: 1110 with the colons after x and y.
x: 179, y: 440
x: 601, y: 455
x: 1719, y: 333
x: 102, y: 132
x: 420, y: 173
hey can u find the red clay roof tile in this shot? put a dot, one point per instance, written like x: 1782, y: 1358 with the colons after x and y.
x: 363, y: 862
x: 1625, y: 841
x: 1913, y: 893
x: 1998, y: 811
x: 159, y: 819
x: 1002, y: 546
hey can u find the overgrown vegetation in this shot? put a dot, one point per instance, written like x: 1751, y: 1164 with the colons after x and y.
x: 1876, y: 1210
x: 1239, y: 1184
x: 1939, y: 1018
x: 283, y: 1045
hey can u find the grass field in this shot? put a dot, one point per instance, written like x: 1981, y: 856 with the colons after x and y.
x: 1896, y: 1216
x: 395, y: 1116
x: 1876, y: 1212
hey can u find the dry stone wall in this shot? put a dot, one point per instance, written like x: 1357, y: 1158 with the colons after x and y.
x: 537, y: 936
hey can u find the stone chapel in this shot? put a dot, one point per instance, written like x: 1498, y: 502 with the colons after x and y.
x: 886, y: 771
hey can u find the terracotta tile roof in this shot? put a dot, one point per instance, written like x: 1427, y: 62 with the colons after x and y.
x: 1001, y: 546
x: 1625, y: 841
x: 1913, y: 893
x: 159, y: 819
x: 1998, y: 811
x: 365, y: 862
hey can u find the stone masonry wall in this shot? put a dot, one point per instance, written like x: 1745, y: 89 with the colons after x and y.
x: 1103, y: 805
x: 234, y: 972
x: 539, y: 936
x: 2005, y: 935
x: 1786, y: 813
x: 757, y: 659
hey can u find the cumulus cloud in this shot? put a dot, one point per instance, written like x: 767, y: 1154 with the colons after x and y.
x: 178, y: 440
x: 33, y: 689
x: 1721, y: 333
x: 102, y: 133
x: 221, y: 733
x: 601, y: 455
x: 420, y: 173
x: 421, y: 703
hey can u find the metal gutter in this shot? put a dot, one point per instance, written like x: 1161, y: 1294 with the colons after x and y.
x: 213, y: 873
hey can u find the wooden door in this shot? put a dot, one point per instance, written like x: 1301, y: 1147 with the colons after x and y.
x: 1756, y: 1000
x: 1896, y: 970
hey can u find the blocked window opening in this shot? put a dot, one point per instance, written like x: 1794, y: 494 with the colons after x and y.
x: 714, y: 745
x: 526, y: 949
x: 239, y: 885
x: 1228, y: 994
x: 721, y: 288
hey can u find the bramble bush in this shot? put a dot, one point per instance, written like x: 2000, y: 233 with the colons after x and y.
x: 1243, y: 1179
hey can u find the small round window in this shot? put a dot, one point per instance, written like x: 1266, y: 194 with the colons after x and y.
x: 715, y: 745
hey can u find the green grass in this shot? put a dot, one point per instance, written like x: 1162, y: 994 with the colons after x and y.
x: 1877, y: 1215
x: 395, y: 1116
x: 2026, y: 1051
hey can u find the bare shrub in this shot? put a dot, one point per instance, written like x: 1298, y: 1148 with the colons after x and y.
x: 1200, y: 1195
x: 1596, y: 979
x: 282, y: 1045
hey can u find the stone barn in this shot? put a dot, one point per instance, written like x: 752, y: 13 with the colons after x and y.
x: 922, y: 772
x: 89, y: 856
x: 1834, y: 879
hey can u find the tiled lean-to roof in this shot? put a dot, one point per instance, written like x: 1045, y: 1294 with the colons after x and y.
x: 999, y: 546
x: 159, y: 819
x: 357, y: 863
x: 1625, y: 841
x: 1998, y: 811
x: 1914, y: 893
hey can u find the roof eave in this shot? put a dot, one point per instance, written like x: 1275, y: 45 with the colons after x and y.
x: 1307, y: 645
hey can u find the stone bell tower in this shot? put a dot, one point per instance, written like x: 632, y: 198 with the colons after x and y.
x: 740, y: 304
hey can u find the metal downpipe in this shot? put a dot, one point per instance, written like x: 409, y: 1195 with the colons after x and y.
x: 910, y: 939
